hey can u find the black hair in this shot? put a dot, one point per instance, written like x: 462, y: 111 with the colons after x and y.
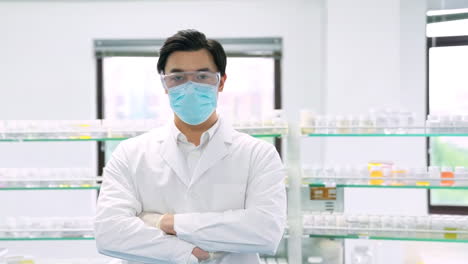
x: 192, y: 40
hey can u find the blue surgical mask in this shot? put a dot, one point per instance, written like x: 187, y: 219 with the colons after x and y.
x: 193, y: 102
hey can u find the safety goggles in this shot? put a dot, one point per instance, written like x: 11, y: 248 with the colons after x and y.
x: 178, y: 78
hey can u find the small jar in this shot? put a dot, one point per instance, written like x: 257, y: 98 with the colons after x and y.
x: 447, y: 173
x: 434, y: 175
x: 432, y: 124
x: 461, y: 176
x: 307, y: 120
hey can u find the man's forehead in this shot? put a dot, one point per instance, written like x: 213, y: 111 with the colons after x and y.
x: 190, y: 61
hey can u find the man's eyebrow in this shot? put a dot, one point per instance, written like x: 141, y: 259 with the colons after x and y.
x: 180, y: 70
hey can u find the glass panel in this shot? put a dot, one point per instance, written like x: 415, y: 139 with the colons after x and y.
x: 133, y: 90
x: 115, y: 139
x: 49, y: 188
x: 43, y: 238
x: 391, y: 135
x: 451, y: 188
x: 388, y: 227
x: 448, y: 96
x: 434, y: 238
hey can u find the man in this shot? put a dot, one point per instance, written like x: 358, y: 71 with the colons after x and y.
x: 197, y: 191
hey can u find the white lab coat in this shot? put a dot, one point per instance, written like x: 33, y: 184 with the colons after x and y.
x: 235, y: 201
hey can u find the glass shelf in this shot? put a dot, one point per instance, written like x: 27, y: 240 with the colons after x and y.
x: 428, y: 187
x: 44, y: 238
x: 391, y: 135
x: 416, y: 131
x: 48, y: 188
x: 87, y: 138
x: 61, y: 139
x: 267, y: 135
x: 433, y: 238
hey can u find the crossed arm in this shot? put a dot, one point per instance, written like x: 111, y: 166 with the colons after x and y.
x: 256, y: 229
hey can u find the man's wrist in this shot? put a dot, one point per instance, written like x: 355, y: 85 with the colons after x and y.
x: 158, y: 223
x: 166, y: 224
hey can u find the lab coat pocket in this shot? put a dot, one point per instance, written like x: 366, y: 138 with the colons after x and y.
x: 229, y: 196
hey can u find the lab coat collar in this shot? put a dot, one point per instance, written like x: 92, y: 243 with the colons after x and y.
x: 206, y: 136
x: 216, y: 149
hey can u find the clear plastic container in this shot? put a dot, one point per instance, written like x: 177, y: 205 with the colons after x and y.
x: 367, y: 124
x: 464, y: 126
x: 383, y: 122
x: 407, y: 122
x: 321, y: 125
x: 457, y: 123
x: 343, y: 125
x: 446, y: 124
x: 461, y: 176
x: 433, y: 124
x: 307, y: 120
x: 394, y: 120
x: 354, y: 123
x: 362, y: 255
x: 447, y: 173
x: 434, y: 175
x: 423, y: 223
x: 399, y: 176
x: 332, y: 124
x: 3, y: 227
x: 376, y: 175
x: 2, y: 129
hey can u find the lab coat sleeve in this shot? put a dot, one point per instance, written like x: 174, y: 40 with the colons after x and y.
x: 256, y: 229
x: 120, y: 232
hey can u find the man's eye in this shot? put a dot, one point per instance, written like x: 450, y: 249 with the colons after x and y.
x: 203, y: 76
x: 177, y: 78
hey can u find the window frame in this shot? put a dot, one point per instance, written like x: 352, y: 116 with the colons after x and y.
x: 433, y: 42
x: 262, y: 47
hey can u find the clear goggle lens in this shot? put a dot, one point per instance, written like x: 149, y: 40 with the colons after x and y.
x: 177, y: 78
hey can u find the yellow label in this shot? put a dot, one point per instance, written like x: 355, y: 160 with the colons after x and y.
x: 376, y: 174
x: 423, y: 183
x: 450, y: 235
x: 370, y: 165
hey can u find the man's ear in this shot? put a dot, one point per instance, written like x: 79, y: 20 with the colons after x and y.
x: 221, y: 83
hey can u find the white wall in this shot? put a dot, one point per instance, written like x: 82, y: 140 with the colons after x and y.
x: 48, y: 71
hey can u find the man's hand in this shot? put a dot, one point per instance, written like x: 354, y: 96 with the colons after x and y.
x: 150, y: 219
x: 200, y: 254
x: 164, y: 222
x: 167, y: 224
